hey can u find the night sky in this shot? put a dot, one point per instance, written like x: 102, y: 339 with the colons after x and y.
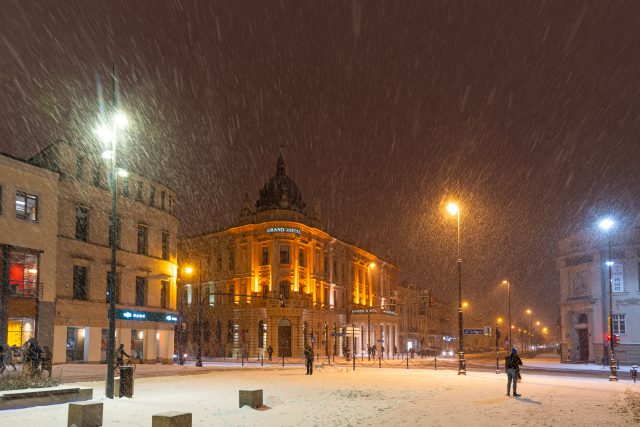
x: 526, y: 112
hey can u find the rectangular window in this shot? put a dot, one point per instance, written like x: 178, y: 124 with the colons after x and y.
x: 619, y: 324
x: 80, y: 167
x: 232, y: 263
x: 80, y: 285
x: 126, y: 189
x: 139, y: 191
x: 301, y: 258
x: 162, y: 196
x: 265, y: 256
x: 152, y: 197
x: 617, y: 277
x: 212, y: 295
x: 327, y: 294
x: 284, y: 254
x: 326, y: 264
x: 143, y: 239
x: 0, y: 199
x: 117, y: 289
x: 165, y: 245
x: 23, y: 274
x: 141, y: 291
x: 26, y: 206
x: 189, y: 296
x: 118, y: 233
x: 170, y: 203
x: 97, y: 174
x: 82, y: 223
x: 164, y: 294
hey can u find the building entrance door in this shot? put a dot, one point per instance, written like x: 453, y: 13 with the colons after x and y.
x: 583, y: 344
x: 284, y: 338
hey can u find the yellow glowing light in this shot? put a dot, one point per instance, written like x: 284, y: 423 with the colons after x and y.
x: 499, y: 319
x: 538, y: 323
x: 141, y: 334
x: 465, y: 304
x: 188, y: 270
x: 453, y: 208
x: 528, y: 311
x: 372, y: 264
x: 545, y: 330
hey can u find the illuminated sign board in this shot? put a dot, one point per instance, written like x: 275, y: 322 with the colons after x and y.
x: 283, y: 230
x: 149, y: 316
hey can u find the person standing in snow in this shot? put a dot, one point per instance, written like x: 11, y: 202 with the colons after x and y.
x: 512, y: 365
x: 270, y: 352
x: 308, y: 356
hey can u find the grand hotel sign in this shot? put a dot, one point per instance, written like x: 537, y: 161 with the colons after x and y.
x: 283, y: 230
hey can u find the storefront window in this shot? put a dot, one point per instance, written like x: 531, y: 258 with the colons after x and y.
x: 19, y: 331
x: 23, y: 274
x: 137, y: 344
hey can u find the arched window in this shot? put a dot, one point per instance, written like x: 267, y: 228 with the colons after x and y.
x: 582, y: 318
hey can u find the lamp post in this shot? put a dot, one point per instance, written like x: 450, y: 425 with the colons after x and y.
x: 497, y: 333
x: 107, y: 131
x: 454, y: 209
x: 606, y: 225
x: 506, y: 282
x: 530, y: 313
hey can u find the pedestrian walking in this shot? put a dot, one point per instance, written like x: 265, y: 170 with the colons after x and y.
x: 512, y: 365
x: 270, y: 352
x: 308, y: 356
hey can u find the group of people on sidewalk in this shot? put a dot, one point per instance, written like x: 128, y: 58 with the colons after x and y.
x: 35, y: 359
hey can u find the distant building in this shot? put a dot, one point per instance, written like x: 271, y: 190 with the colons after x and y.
x: 584, y: 294
x: 28, y: 241
x: 275, y: 278
x: 146, y: 259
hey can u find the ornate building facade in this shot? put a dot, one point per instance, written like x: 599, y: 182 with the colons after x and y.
x: 584, y: 293
x: 275, y: 278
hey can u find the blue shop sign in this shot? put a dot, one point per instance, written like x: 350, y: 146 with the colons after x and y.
x: 148, y: 316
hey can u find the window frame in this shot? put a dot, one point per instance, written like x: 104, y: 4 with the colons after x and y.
x: 144, y: 249
x: 619, y: 322
x: 79, y: 231
x: 80, y: 289
x: 145, y: 285
x: 24, y: 215
x: 285, y: 260
x: 166, y: 245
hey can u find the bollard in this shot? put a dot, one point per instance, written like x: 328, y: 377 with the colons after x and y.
x: 435, y: 363
x: 171, y: 419
x: 262, y: 360
x: 85, y: 414
x: 252, y: 398
x: 407, y: 361
x: 243, y: 360
x: 283, y: 359
x: 379, y: 362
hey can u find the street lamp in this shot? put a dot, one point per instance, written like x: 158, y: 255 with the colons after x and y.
x: 454, y: 209
x: 606, y: 225
x: 530, y: 313
x: 506, y: 282
x: 107, y: 131
x: 498, y: 323
x: 186, y: 271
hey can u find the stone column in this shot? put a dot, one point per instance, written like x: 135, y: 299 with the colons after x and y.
x: 92, y: 343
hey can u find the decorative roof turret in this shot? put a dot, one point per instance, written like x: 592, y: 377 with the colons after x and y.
x: 280, y: 192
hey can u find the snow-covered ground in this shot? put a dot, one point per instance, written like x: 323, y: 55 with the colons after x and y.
x: 336, y: 396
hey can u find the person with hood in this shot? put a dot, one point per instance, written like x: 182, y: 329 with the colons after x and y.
x: 308, y: 356
x: 270, y: 352
x: 512, y: 365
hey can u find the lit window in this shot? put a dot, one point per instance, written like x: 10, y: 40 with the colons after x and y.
x: 265, y: 256
x: 23, y: 274
x: 284, y: 254
x: 26, y: 206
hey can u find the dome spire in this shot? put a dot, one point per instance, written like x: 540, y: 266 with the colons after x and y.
x: 280, y: 165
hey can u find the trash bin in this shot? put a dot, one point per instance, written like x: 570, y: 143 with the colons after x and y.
x: 126, y: 381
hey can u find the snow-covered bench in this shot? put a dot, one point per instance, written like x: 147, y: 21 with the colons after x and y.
x: 28, y: 398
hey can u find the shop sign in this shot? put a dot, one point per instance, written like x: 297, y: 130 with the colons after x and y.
x: 148, y: 316
x: 283, y: 230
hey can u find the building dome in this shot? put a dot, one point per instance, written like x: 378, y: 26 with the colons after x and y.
x: 280, y: 192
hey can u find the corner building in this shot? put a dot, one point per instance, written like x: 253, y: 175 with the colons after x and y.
x: 146, y: 259
x: 275, y: 278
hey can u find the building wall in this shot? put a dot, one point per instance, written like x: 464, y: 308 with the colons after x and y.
x: 39, y: 236
x: 584, y: 294
x: 82, y: 324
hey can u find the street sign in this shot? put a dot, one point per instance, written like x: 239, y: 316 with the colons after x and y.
x: 337, y: 334
x: 353, y: 332
x: 474, y: 331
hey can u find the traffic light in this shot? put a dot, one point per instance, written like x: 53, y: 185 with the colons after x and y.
x: 616, y: 340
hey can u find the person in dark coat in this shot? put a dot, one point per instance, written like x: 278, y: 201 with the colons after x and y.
x: 308, y: 356
x: 9, y: 353
x: 120, y: 354
x: 270, y: 352
x: 512, y: 366
x: 34, y: 356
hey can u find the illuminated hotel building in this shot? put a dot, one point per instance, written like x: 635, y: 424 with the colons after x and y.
x: 275, y: 278
x: 77, y: 282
